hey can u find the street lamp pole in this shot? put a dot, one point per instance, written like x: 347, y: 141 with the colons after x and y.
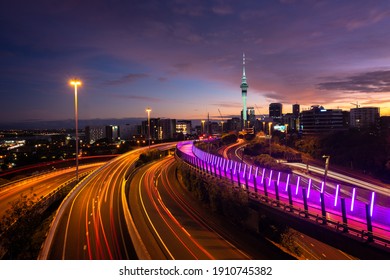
x: 270, y: 136
x: 327, y: 158
x: 148, y: 110
x: 76, y: 83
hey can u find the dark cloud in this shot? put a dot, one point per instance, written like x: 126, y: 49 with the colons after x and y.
x: 228, y: 105
x: 129, y: 78
x: 377, y: 81
x: 137, y: 97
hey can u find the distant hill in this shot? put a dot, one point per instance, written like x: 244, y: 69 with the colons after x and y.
x: 69, y: 123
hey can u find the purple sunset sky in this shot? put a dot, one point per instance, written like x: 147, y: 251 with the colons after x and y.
x: 183, y: 58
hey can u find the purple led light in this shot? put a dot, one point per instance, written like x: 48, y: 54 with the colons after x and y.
x: 288, y: 181
x: 235, y: 167
x: 239, y: 168
x: 243, y: 174
x: 270, y: 178
x: 231, y: 164
x: 308, y: 188
x: 296, y: 189
x: 322, y: 188
x: 336, y: 196
x: 353, y: 198
x: 250, y: 172
x: 257, y: 171
x: 278, y: 178
x: 372, y: 203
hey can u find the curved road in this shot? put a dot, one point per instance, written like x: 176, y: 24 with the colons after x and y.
x: 40, y: 185
x: 91, y: 222
x: 172, y: 227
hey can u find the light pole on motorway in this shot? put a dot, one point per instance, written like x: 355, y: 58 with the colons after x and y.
x: 148, y: 110
x: 270, y: 136
x: 76, y: 83
x: 327, y: 158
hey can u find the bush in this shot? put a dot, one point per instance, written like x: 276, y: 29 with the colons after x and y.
x: 266, y: 161
x: 229, y: 139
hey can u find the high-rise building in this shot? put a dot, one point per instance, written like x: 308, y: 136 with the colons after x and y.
x: 295, y: 110
x: 294, y: 126
x: 93, y: 133
x: 275, y: 111
x: 364, y: 117
x: 160, y: 129
x: 112, y: 132
x: 183, y: 126
x: 233, y: 124
x: 167, y: 129
x: 244, y: 87
x: 127, y: 131
x: 251, y: 116
x: 320, y: 120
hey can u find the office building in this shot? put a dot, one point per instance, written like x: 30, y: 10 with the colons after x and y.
x: 319, y: 120
x: 364, y: 117
x: 275, y: 112
x: 183, y: 126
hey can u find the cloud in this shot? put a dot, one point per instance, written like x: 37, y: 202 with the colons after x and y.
x: 373, y: 17
x: 376, y: 81
x: 222, y: 10
x: 228, y: 105
x: 136, y: 97
x: 129, y: 78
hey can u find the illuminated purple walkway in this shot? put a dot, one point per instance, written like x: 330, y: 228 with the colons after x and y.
x: 265, y: 182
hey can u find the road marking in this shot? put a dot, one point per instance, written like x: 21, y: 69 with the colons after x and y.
x: 150, y: 221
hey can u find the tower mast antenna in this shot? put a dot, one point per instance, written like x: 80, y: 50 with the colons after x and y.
x: 244, y: 86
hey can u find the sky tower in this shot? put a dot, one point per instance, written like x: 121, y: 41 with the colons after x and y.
x: 244, y: 87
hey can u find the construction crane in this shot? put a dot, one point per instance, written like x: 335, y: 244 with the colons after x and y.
x: 222, y: 120
x: 257, y: 109
x: 356, y: 104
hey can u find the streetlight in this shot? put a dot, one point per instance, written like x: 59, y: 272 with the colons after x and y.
x: 270, y: 136
x: 76, y: 83
x: 203, y: 126
x: 327, y: 158
x: 148, y: 110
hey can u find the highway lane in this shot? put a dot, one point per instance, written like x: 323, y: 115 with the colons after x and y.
x: 91, y: 223
x: 40, y: 185
x: 172, y: 227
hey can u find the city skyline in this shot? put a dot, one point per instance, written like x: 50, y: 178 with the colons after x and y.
x: 183, y: 59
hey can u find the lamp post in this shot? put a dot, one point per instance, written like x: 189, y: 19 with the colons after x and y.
x: 270, y: 136
x: 203, y: 126
x: 148, y: 110
x: 76, y: 83
x: 327, y: 158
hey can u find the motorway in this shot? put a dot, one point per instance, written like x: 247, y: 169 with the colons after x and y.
x: 173, y: 226
x: 40, y: 185
x: 91, y: 223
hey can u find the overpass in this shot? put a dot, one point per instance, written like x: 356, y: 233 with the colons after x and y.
x: 335, y: 212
